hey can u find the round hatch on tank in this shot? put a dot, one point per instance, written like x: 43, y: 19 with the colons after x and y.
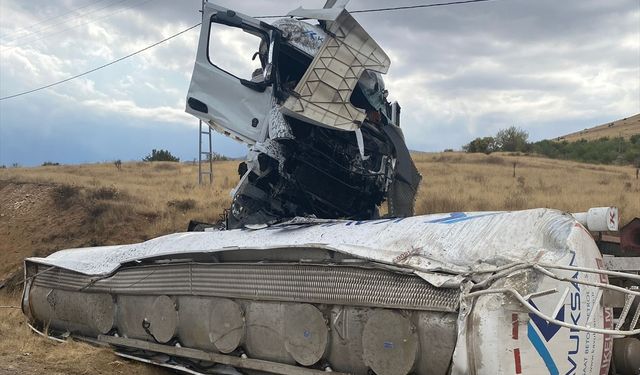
x: 226, y: 325
x: 162, y: 319
x: 102, y: 312
x: 390, y: 343
x: 305, y: 333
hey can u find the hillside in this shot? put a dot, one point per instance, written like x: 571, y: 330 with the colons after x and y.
x: 625, y: 128
x: 45, y: 209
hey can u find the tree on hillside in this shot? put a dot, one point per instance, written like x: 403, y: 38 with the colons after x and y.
x: 485, y: 145
x: 160, y: 155
x: 512, y: 139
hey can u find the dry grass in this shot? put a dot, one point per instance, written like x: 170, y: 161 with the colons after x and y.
x: 48, y: 208
x: 622, y: 128
x: 477, y: 182
x: 145, y: 189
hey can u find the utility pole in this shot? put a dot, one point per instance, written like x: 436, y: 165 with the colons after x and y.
x: 207, y: 135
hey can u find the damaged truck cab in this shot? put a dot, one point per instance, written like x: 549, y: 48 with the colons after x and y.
x: 310, y: 102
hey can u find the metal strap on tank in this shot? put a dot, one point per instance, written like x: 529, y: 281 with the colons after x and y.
x: 259, y: 365
x: 342, y: 285
x: 549, y: 270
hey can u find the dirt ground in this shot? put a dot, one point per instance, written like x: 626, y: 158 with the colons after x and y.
x: 33, y: 222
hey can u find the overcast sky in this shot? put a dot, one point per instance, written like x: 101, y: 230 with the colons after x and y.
x: 548, y: 66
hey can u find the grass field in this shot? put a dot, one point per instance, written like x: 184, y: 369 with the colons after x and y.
x: 478, y: 182
x: 621, y: 128
x: 45, y: 209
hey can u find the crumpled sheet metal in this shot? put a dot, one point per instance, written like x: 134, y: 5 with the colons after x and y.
x: 456, y: 244
x: 302, y: 35
x: 326, y: 14
x: 323, y: 94
x: 279, y: 128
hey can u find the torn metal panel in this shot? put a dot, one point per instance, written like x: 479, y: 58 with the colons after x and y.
x: 454, y: 243
x: 322, y: 96
x: 404, y: 187
x: 302, y: 35
x: 279, y: 128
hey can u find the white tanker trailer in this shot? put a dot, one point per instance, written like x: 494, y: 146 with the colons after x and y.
x: 520, y: 292
x: 306, y: 278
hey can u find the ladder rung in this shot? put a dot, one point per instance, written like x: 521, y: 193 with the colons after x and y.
x: 205, y: 172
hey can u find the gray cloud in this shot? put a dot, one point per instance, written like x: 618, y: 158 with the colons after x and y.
x: 459, y: 72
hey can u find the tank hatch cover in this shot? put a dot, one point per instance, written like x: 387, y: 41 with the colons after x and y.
x: 227, y: 325
x: 162, y: 319
x: 305, y: 333
x: 390, y: 343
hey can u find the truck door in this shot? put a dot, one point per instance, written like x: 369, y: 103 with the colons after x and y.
x: 229, y: 88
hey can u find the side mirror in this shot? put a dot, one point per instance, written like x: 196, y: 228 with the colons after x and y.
x: 256, y: 86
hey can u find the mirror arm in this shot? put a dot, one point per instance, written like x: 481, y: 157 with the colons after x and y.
x: 257, y: 86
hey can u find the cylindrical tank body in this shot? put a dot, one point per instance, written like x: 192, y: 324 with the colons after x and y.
x: 506, y: 338
x: 389, y: 296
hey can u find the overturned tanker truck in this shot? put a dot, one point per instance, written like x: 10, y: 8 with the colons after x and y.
x: 306, y: 278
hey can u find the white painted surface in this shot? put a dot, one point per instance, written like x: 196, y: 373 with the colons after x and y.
x: 599, y: 219
x: 456, y: 243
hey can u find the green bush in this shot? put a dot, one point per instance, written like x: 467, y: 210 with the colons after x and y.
x: 512, y: 139
x: 601, y: 151
x: 160, y: 155
x: 485, y: 145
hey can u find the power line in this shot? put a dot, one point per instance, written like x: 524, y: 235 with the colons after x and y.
x: 90, y: 21
x: 102, y: 66
x: 49, y: 19
x: 418, y: 6
x: 373, y: 10
x: 198, y: 24
x: 77, y: 17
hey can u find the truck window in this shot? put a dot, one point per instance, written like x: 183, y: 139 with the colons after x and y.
x: 236, y: 51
